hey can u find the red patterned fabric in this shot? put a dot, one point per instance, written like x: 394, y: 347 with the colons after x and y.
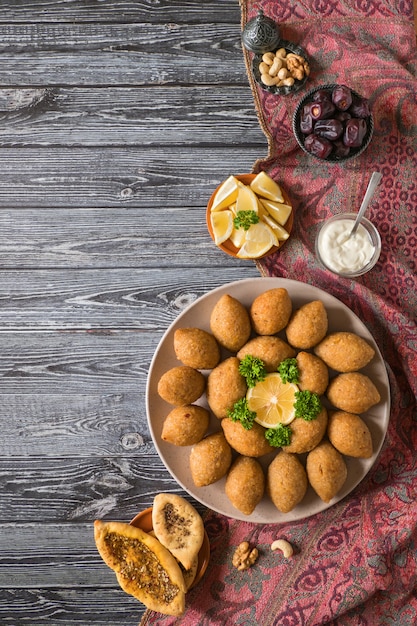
x: 355, y: 564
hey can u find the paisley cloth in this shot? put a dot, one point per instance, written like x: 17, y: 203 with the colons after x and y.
x: 355, y: 564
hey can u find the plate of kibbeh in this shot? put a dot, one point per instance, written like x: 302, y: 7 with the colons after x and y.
x: 268, y: 400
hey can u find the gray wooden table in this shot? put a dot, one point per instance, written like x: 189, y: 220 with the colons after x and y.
x: 117, y: 120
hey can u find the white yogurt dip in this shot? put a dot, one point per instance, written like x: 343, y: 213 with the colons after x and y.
x: 342, y: 253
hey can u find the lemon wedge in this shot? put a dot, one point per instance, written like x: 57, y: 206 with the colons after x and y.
x: 278, y: 210
x: 266, y: 187
x: 226, y: 194
x: 246, y: 200
x: 222, y: 225
x: 259, y: 239
x: 238, y: 237
x: 280, y: 233
x: 273, y: 401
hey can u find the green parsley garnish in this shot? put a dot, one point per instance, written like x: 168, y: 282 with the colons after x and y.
x: 242, y: 413
x: 253, y: 369
x: 279, y: 436
x: 244, y: 219
x: 307, y: 405
x: 288, y: 370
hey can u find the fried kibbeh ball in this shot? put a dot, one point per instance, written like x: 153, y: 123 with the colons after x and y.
x: 353, y: 392
x: 307, y: 434
x: 271, y: 350
x: 286, y: 481
x: 350, y: 435
x: 185, y: 425
x: 196, y: 348
x: 245, y: 484
x: 326, y: 470
x: 307, y: 326
x: 210, y: 459
x: 313, y: 373
x: 230, y: 323
x: 345, y: 351
x: 181, y: 385
x: 225, y: 386
x: 246, y: 442
x: 270, y: 311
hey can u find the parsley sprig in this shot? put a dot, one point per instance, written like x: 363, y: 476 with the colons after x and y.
x: 307, y: 405
x: 244, y: 219
x: 288, y: 370
x: 252, y: 369
x: 279, y: 436
x: 242, y: 413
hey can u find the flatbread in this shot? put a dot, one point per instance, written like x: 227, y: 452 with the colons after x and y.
x: 144, y: 568
x: 189, y: 574
x: 178, y: 526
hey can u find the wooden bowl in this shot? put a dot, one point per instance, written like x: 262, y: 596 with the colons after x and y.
x: 227, y: 246
x: 143, y: 520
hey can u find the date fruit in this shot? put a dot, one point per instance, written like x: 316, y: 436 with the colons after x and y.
x: 329, y: 129
x: 355, y: 131
x: 342, y: 97
x: 321, y: 110
x: 319, y: 146
x: 306, y: 120
x: 360, y: 108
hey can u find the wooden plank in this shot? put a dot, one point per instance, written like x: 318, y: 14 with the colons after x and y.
x: 101, y: 238
x: 86, y: 11
x: 139, y: 300
x: 121, y: 54
x: 186, y: 116
x: 59, y: 489
x: 117, y: 176
x: 75, y: 606
x: 82, y: 425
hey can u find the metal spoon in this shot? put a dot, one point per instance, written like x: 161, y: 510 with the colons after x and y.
x: 373, y: 184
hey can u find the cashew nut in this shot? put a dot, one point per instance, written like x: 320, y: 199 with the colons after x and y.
x: 269, y: 80
x: 268, y: 58
x: 276, y: 66
x: 264, y: 67
x: 285, y: 547
x: 281, y: 53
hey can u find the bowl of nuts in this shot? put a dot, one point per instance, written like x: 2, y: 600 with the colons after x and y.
x: 282, y: 71
x: 333, y: 123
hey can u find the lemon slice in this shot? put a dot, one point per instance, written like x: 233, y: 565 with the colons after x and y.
x: 273, y: 401
x: 278, y: 210
x: 266, y: 187
x: 280, y: 233
x: 238, y: 237
x: 226, y: 194
x: 259, y: 239
x: 246, y: 200
x: 222, y: 225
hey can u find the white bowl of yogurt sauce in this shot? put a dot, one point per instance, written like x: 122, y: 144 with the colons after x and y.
x: 344, y: 255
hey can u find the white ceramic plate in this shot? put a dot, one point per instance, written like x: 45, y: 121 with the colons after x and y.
x: 176, y: 459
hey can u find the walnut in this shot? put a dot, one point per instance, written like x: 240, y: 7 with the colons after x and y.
x: 297, y: 66
x: 244, y: 556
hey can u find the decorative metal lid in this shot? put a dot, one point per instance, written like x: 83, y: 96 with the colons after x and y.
x: 261, y: 34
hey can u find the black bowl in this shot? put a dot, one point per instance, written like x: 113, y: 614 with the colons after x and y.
x: 285, y: 90
x: 332, y: 158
